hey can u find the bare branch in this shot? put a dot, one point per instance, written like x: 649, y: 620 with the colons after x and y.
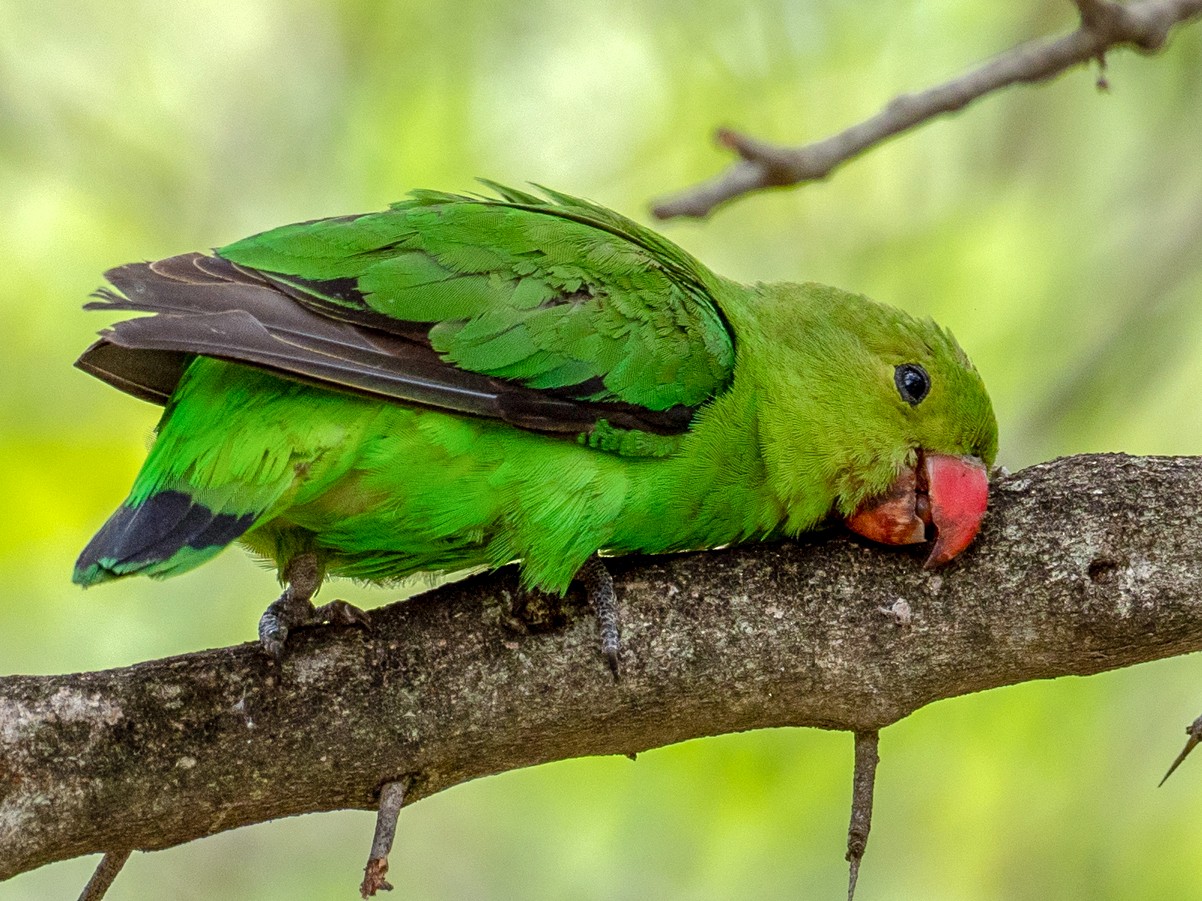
x: 106, y: 871
x: 1194, y: 735
x: 392, y: 797
x: 1144, y: 25
x: 862, y: 784
x: 1085, y: 564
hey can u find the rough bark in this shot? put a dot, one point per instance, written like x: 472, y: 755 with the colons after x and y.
x: 1085, y: 564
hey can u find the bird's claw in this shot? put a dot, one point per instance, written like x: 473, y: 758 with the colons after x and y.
x: 611, y: 657
x: 274, y: 626
x: 599, y: 585
x: 341, y: 613
x: 273, y: 643
x: 289, y: 613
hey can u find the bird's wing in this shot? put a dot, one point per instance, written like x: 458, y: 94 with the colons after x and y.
x: 553, y: 314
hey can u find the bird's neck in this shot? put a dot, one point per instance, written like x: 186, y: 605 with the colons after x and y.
x: 714, y: 491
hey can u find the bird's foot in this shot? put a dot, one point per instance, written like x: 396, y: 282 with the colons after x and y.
x: 531, y: 610
x: 294, y: 609
x: 288, y: 613
x: 599, y: 586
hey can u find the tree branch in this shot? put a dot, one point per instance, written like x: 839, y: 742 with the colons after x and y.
x: 1105, y: 25
x: 1085, y: 564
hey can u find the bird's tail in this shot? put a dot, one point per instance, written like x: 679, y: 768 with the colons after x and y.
x: 167, y: 532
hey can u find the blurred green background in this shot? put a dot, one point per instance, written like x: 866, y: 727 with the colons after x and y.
x: 1056, y: 230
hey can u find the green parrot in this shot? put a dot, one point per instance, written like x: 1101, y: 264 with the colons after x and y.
x: 461, y: 382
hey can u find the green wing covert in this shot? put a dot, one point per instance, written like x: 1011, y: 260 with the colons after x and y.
x: 551, y: 314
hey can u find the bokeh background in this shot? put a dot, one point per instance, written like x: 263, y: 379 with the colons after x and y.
x: 1057, y: 230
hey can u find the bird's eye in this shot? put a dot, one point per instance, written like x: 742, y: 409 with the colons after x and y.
x: 912, y: 382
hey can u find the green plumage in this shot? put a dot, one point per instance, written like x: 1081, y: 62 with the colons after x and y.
x: 582, y: 384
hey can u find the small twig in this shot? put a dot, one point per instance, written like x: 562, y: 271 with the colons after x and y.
x: 106, y: 871
x: 392, y: 797
x: 1098, y: 16
x: 1144, y: 25
x: 1194, y: 731
x: 861, y: 805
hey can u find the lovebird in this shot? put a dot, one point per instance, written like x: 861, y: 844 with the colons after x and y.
x: 467, y: 381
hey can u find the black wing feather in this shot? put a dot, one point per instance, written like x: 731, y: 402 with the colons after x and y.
x: 209, y: 306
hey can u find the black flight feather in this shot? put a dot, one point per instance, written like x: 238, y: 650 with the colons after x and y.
x: 210, y: 306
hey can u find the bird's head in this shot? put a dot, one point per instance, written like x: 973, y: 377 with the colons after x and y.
x: 875, y: 413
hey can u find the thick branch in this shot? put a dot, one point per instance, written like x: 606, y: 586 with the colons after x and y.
x: 1144, y: 25
x: 1085, y: 564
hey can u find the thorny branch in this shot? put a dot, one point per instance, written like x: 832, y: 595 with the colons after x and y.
x: 1105, y: 25
x: 1085, y: 564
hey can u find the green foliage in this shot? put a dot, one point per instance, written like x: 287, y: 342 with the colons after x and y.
x: 1055, y: 230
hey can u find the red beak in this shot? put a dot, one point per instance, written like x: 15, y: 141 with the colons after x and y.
x: 946, y: 493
